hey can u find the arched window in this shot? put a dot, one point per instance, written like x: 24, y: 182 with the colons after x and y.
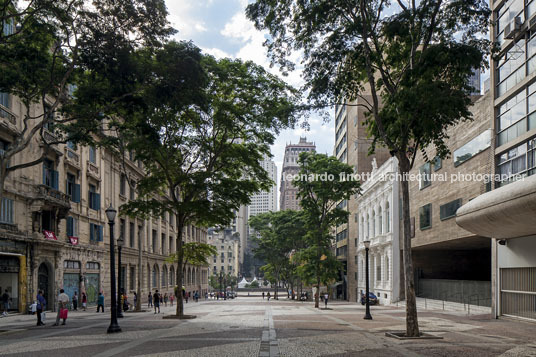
x: 148, y: 277
x: 172, y: 276
x: 189, y: 277
x: 387, y: 218
x: 164, y: 276
x: 380, y: 220
x: 154, y: 277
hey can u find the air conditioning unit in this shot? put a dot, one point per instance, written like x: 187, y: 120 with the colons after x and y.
x: 513, y: 28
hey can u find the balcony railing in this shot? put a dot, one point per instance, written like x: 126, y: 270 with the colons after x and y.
x: 72, y: 157
x: 52, y: 195
x: 6, y: 114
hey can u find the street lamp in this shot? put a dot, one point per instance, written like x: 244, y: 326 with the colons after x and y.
x: 114, y: 326
x: 120, y: 242
x: 367, y: 310
x: 221, y: 278
x: 225, y: 287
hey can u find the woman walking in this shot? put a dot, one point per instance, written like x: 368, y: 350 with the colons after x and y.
x: 165, y: 299
x: 84, y: 301
x: 41, y: 306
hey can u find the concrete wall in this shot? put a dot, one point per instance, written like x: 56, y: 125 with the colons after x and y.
x: 517, y: 253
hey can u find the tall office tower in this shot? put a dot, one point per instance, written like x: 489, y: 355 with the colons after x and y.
x: 288, y: 193
x: 265, y: 201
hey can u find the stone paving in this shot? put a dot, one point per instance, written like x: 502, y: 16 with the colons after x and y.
x: 251, y: 326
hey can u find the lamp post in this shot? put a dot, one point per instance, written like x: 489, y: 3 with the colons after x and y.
x: 221, y: 278
x: 367, y: 310
x: 225, y: 287
x: 114, y: 326
x: 120, y: 242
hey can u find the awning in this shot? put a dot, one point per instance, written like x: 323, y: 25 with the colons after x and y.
x: 506, y: 212
x: 50, y: 235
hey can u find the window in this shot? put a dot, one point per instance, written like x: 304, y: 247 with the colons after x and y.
x: 92, y: 155
x: 92, y: 266
x: 95, y: 232
x: 425, y: 179
x: 472, y: 148
x: 72, y: 227
x: 122, y: 229
x: 4, y: 100
x: 448, y: 210
x: 71, y: 145
x: 387, y: 268
x: 517, y: 162
x: 163, y: 247
x: 140, y: 232
x: 9, y: 27
x: 6, y: 212
x: 380, y: 220
x: 50, y: 176
x: 154, y: 240
x: 122, y: 185
x: 94, y: 198
x: 131, y: 234
x: 425, y: 216
x: 438, y: 163
x: 373, y: 224
x: 132, y: 278
x: 73, y: 189
x: 387, y: 218
x: 71, y: 264
x: 132, y: 190
x: 379, y: 270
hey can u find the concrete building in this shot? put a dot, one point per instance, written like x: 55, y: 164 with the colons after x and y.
x: 351, y: 146
x: 265, y: 201
x: 287, y: 192
x: 228, y: 246
x: 451, y: 263
x: 506, y: 214
x: 378, y: 219
x: 53, y: 227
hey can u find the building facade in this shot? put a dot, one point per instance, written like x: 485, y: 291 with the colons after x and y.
x: 288, y: 193
x: 378, y: 219
x: 53, y: 227
x: 506, y: 213
x: 226, y: 261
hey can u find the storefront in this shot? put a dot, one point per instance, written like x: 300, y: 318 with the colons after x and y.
x: 9, y: 278
x: 92, y: 282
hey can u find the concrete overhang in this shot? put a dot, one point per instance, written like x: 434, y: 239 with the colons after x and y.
x: 506, y: 212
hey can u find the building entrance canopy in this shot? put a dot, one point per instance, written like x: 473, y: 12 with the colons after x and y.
x: 507, y: 212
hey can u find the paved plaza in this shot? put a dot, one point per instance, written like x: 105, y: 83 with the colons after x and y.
x: 251, y: 326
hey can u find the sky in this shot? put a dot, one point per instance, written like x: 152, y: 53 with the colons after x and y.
x: 220, y: 28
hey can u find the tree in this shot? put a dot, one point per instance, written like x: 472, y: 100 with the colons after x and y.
x: 45, y: 47
x: 281, y: 234
x: 201, y: 130
x: 414, y: 57
x: 323, y: 183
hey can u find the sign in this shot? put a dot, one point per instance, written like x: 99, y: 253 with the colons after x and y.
x: 74, y: 240
x: 50, y: 235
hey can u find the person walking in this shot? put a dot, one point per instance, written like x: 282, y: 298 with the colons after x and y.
x: 326, y: 296
x: 196, y: 296
x: 165, y: 299
x: 135, y: 300
x: 5, y: 302
x: 150, y: 300
x: 41, y: 306
x: 156, y: 298
x: 262, y: 295
x: 100, y: 302
x: 268, y: 296
x: 63, y: 302
x: 75, y: 302
x: 84, y: 302
x: 171, y: 299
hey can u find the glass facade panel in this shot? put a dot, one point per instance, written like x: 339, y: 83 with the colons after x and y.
x: 472, y: 148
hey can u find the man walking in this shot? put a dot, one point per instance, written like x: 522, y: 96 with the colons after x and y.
x: 156, y: 298
x: 262, y: 295
x: 326, y: 296
x: 150, y: 300
x: 100, y: 302
x: 5, y: 302
x: 41, y: 306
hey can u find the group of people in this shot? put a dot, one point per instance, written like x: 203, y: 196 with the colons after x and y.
x: 157, y: 299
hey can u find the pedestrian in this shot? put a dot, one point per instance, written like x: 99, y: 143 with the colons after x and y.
x: 5, y: 302
x: 196, y: 296
x: 125, y: 302
x: 58, y: 310
x: 63, y: 302
x: 206, y: 295
x: 171, y: 299
x: 100, y: 302
x: 326, y: 296
x: 41, y: 306
x: 135, y: 299
x: 150, y: 300
x: 268, y: 296
x: 187, y: 296
x: 75, y: 302
x: 165, y: 299
x: 156, y: 298
x: 84, y: 302
x: 262, y: 295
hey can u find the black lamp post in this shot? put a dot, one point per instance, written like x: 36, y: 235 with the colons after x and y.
x: 367, y: 310
x: 225, y: 287
x: 120, y: 242
x: 221, y: 286
x: 114, y: 326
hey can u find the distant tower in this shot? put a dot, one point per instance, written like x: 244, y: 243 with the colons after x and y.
x: 288, y: 193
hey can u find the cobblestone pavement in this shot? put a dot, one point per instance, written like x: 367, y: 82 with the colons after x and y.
x: 250, y: 326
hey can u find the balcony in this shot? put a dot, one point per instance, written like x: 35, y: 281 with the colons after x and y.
x: 8, y: 120
x: 72, y: 158
x: 47, y: 198
x: 93, y: 170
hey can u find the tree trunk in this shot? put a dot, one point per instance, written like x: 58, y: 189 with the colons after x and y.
x: 180, y: 275
x: 317, y: 295
x: 412, y: 324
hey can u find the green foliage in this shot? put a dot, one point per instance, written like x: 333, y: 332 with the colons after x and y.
x: 254, y: 284
x: 195, y: 253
